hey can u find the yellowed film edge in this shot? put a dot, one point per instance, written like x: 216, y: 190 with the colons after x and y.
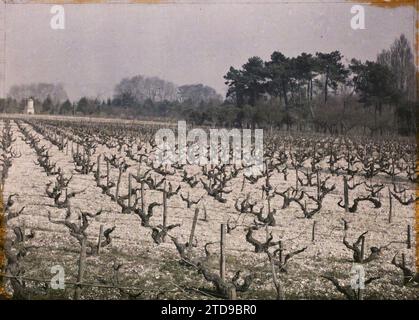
x: 381, y: 3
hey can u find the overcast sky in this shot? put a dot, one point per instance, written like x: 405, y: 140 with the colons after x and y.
x: 182, y: 43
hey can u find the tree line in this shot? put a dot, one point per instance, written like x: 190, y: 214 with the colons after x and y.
x: 321, y: 92
x: 137, y: 96
x: 383, y: 91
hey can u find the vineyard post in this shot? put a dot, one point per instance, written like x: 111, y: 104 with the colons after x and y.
x: 408, y: 241
x: 280, y: 249
x: 164, y: 208
x: 277, y: 282
x: 129, y: 190
x: 23, y: 228
x: 195, y: 219
x: 88, y: 162
x: 108, y: 169
x: 318, y: 184
x: 296, y: 178
x: 360, y: 290
x: 390, y: 213
x: 404, y: 266
x: 345, y: 193
x: 267, y: 232
x: 267, y: 175
x: 142, y: 196
x: 99, y: 243
x: 66, y: 148
x: 80, y: 274
x: 118, y: 183
x: 98, y: 170
x: 362, y: 249
x: 205, y: 213
x: 313, y: 231
x: 222, y: 252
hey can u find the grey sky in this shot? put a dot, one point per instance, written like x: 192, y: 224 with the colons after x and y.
x: 182, y: 43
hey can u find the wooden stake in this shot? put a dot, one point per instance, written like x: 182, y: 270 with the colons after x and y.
x: 362, y: 248
x: 267, y: 232
x: 194, y: 221
x: 277, y: 282
x: 129, y: 191
x: 346, y: 193
x: 82, y: 261
x: 142, y: 197
x: 164, y: 207
x: 222, y: 252
x: 280, y: 249
x: 318, y: 185
x: 404, y: 265
x: 23, y: 228
x: 98, y: 170
x: 99, y: 243
x: 108, y: 171
x: 117, y: 184
x: 313, y: 231
x: 390, y: 213
x: 205, y: 213
x: 408, y: 241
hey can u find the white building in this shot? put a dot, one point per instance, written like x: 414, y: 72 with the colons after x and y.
x: 29, y: 109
